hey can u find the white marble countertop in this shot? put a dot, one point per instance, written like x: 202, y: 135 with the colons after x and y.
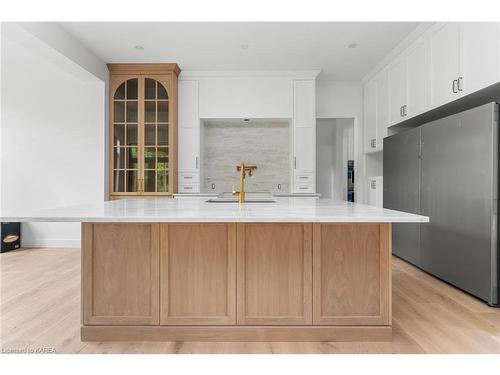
x: 196, y: 209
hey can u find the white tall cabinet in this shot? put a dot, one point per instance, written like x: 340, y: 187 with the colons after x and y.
x: 304, y: 136
x: 189, y: 137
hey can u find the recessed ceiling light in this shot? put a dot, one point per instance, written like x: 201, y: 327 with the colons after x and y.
x: 138, y: 47
x: 244, y: 46
x: 352, y: 45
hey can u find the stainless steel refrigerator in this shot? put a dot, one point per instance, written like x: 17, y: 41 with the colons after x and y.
x: 448, y: 170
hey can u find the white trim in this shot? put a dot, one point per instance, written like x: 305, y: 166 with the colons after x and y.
x: 194, y: 74
x: 51, y: 242
x: 400, y: 48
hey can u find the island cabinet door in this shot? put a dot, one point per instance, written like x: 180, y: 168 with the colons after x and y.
x: 351, y: 267
x: 120, y: 274
x: 274, y: 282
x: 198, y: 274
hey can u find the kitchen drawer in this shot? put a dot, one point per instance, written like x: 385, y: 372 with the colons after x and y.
x: 306, y: 188
x: 304, y: 178
x: 189, y: 188
x: 189, y: 178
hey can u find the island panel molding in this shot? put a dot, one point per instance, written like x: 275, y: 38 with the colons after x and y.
x: 352, y: 280
x: 237, y: 333
x: 120, y: 274
x: 198, y: 274
x: 274, y: 279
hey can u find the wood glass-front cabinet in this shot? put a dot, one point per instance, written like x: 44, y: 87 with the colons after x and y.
x: 143, y: 129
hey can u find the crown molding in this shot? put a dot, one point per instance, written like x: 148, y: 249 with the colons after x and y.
x: 193, y: 74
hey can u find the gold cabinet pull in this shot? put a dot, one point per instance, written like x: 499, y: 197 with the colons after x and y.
x: 459, y: 83
x: 401, y: 111
x: 455, y: 86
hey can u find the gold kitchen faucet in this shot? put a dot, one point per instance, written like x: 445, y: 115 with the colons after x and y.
x: 243, y: 169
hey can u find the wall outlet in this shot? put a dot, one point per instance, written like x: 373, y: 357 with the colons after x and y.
x: 279, y: 186
x: 213, y: 186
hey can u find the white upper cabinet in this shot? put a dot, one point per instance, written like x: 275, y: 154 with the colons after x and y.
x: 418, y: 78
x: 304, y: 103
x: 448, y: 61
x: 370, y: 114
x: 398, y: 90
x: 445, y: 63
x: 382, y: 90
x: 480, y: 55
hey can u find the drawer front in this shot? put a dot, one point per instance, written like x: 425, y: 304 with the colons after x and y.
x: 189, y: 188
x: 307, y: 188
x: 189, y: 178
x: 304, y: 178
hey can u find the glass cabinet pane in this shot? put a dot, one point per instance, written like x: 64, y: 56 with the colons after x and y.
x: 132, y: 181
x: 119, y: 135
x: 149, y: 181
x: 131, y: 134
x: 119, y: 156
x: 119, y: 111
x: 132, y: 111
x: 161, y: 181
x: 162, y: 134
x: 150, y: 135
x: 163, y: 111
x: 132, y: 88
x: 119, y: 181
x: 120, y: 92
x: 150, y: 111
x: 162, y: 92
x: 132, y: 160
x: 149, y: 158
x: 162, y: 155
x: 149, y: 88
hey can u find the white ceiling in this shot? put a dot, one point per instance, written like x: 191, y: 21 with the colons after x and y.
x: 271, y: 45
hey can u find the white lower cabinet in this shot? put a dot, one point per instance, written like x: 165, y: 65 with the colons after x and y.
x: 375, y: 191
x: 304, y: 182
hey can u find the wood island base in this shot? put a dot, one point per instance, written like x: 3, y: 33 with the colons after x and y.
x: 236, y: 281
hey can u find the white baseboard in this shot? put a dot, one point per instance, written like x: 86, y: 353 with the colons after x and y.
x: 50, y: 242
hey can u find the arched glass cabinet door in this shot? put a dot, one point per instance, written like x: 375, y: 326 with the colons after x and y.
x: 125, y: 137
x: 156, y: 142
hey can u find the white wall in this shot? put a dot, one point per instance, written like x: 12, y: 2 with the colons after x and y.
x: 345, y: 100
x: 52, y: 145
x: 334, y: 146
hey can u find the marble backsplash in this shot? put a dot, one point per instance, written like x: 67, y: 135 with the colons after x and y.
x: 227, y: 143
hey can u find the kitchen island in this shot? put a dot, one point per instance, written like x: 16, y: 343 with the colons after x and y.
x: 298, y: 269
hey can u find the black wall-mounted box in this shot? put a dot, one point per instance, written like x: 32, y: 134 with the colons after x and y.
x: 10, y: 235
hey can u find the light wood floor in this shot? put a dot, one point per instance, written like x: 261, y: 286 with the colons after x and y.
x: 40, y: 308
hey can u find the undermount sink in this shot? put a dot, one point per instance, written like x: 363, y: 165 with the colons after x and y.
x: 235, y: 200
x: 253, y: 197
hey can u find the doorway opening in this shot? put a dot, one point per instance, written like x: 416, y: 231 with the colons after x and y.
x: 335, y: 158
